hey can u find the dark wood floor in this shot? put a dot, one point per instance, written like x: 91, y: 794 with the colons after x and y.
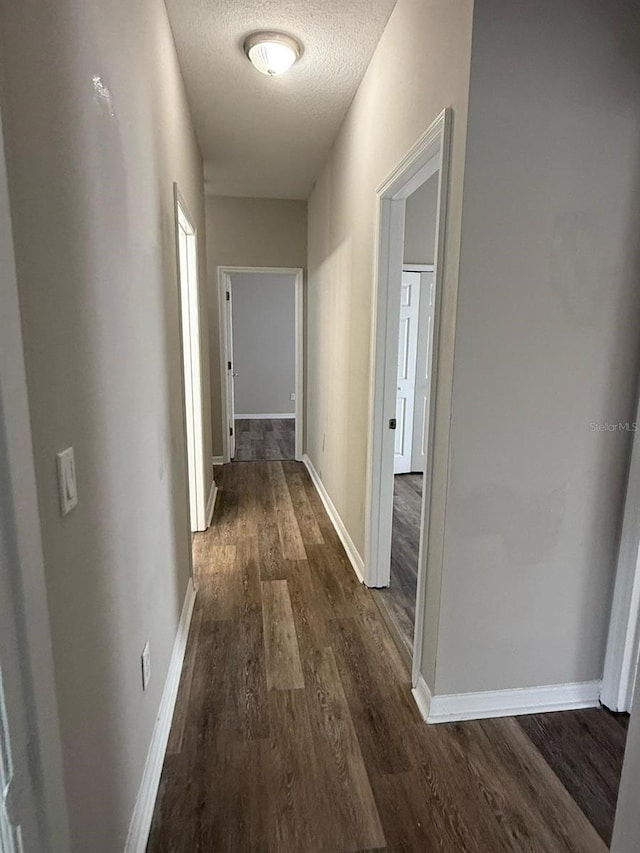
x: 399, y: 599
x: 265, y: 439
x: 295, y: 730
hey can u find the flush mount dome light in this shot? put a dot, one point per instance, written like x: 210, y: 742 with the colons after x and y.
x: 272, y: 53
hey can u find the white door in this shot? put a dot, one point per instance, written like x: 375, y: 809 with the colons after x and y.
x: 407, y: 353
x: 423, y: 372
x: 231, y: 374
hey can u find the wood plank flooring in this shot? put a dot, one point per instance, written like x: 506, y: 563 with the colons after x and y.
x: 265, y: 438
x: 585, y: 749
x: 295, y: 730
x: 399, y: 599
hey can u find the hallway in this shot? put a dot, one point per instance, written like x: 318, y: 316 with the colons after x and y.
x: 295, y: 729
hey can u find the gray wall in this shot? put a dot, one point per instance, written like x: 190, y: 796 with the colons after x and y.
x: 91, y: 182
x: 546, y: 343
x: 420, y: 223
x: 254, y: 232
x: 264, y: 328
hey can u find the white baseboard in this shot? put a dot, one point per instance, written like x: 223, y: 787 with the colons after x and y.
x: 352, y: 552
x: 506, y: 703
x: 145, y: 802
x: 217, y: 460
x: 278, y: 416
x: 422, y: 696
x: 211, y: 503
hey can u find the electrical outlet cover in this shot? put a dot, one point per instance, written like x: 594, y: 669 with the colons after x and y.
x: 67, y: 480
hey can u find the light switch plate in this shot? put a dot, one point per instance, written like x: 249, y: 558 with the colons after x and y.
x: 146, y: 665
x: 293, y: 395
x: 67, y: 480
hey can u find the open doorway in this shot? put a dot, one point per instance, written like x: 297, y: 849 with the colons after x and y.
x: 187, y: 250
x: 403, y: 452
x: 415, y: 338
x: 261, y: 356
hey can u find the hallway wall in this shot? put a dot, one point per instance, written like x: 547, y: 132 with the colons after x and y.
x: 97, y: 129
x: 547, y: 343
x: 259, y: 232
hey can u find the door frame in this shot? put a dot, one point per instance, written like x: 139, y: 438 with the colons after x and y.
x: 623, y: 642
x: 224, y: 284
x: 191, y: 364
x: 430, y: 153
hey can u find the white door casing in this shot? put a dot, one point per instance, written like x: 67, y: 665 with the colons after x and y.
x: 429, y: 154
x: 623, y: 643
x: 191, y: 358
x: 423, y: 372
x: 231, y: 392
x: 407, y: 355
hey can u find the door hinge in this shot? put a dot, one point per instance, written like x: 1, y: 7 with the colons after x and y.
x: 230, y: 430
x: 392, y: 423
x: 228, y: 365
x: 228, y: 296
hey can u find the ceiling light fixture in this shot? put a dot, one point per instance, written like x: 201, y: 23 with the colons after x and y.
x: 272, y: 53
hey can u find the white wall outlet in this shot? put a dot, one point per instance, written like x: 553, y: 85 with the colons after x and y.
x: 146, y: 665
x: 293, y: 395
x: 67, y: 480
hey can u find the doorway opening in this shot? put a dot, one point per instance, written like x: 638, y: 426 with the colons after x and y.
x: 412, y: 406
x: 187, y: 249
x: 415, y: 339
x: 411, y: 217
x: 261, y: 349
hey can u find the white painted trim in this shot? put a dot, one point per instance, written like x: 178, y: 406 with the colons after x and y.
x: 278, y: 416
x: 147, y: 793
x: 224, y: 283
x: 191, y: 366
x: 429, y: 154
x: 352, y: 552
x: 623, y: 643
x: 299, y: 377
x: 211, y: 502
x: 217, y: 460
x: 422, y: 697
x: 507, y: 703
x: 418, y: 268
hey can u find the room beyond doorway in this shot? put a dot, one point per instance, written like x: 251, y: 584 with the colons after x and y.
x: 399, y: 598
x: 265, y: 438
x: 261, y: 358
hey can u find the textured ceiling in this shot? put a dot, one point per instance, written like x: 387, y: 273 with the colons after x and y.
x: 262, y: 136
